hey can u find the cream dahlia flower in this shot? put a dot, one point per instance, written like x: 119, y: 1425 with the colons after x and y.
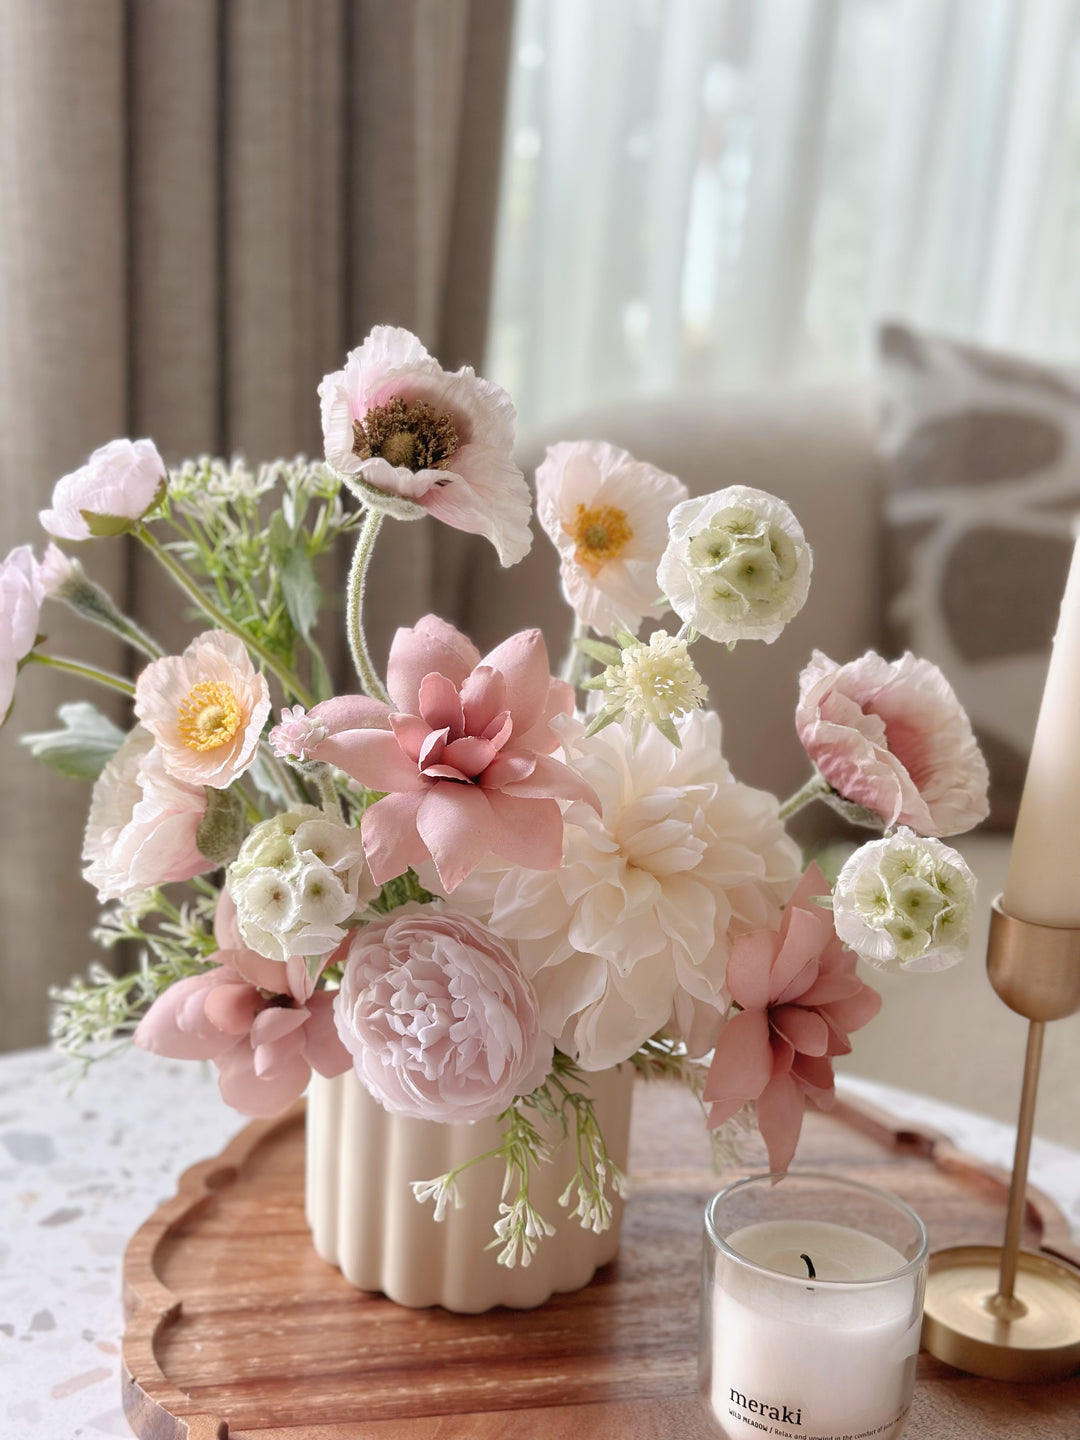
x: 205, y: 709
x: 607, y: 516
x: 905, y: 903
x: 631, y: 935
x: 737, y: 566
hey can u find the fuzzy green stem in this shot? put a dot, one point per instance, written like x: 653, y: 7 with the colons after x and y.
x: 814, y: 789
x: 354, y: 607
x: 88, y: 672
x: 177, y: 572
x: 576, y: 665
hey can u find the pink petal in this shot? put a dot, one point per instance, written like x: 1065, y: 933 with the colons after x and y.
x: 805, y: 1029
x: 373, y: 757
x: 274, y: 1056
x: 432, y: 748
x: 780, y: 1114
x: 507, y: 768
x: 500, y: 729
x: 275, y: 1021
x: 470, y: 755
x: 440, y: 705
x: 411, y: 732
x: 815, y: 1074
x: 456, y: 825
x: 391, y: 841
x: 523, y: 663
x: 530, y: 832
x: 446, y: 772
x: 483, y: 698
x: 242, y: 1089
x: 541, y: 737
x: 322, y: 1045
x: 811, y: 884
x: 783, y: 1053
x: 742, y: 1061
x: 161, y: 1032
x: 350, y: 712
x: 829, y: 987
x: 232, y: 1008
x: 854, y: 1013
x: 226, y: 930
x: 486, y: 494
x: 551, y: 779
x: 796, y: 967
x: 430, y: 646
x: 256, y: 969
x: 750, y: 968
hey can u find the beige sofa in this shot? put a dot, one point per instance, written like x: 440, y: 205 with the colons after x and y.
x: 947, y: 1035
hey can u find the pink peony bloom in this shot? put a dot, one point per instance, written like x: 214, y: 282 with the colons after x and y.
x: 23, y: 587
x: 205, y: 709
x: 893, y: 738
x: 117, y: 484
x: 143, y: 823
x: 440, y: 1021
x: 396, y: 424
x: 607, y: 515
x: 265, y: 1038
x: 465, y: 754
x: 799, y: 999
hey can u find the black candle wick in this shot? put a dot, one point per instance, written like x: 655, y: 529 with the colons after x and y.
x: 809, y: 1266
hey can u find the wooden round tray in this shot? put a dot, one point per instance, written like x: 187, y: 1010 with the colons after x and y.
x: 237, y: 1329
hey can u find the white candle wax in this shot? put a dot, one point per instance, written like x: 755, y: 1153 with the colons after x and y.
x: 1043, y: 883
x: 806, y: 1360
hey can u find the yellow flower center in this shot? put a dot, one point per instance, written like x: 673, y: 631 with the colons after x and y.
x: 599, y: 535
x: 208, y: 716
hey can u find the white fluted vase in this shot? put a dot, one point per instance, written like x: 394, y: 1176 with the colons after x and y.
x: 361, y: 1162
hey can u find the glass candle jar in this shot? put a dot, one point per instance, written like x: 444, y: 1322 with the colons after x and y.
x: 811, y: 1309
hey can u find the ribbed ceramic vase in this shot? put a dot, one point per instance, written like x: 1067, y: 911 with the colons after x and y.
x: 361, y: 1162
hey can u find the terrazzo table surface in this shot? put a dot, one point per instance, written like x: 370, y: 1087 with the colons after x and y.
x: 79, y: 1172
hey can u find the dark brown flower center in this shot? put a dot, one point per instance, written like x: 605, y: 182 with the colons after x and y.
x: 408, y: 433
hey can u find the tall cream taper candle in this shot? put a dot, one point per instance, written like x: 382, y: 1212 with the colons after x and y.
x: 1043, y: 883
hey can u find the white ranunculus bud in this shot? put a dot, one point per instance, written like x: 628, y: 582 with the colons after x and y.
x: 905, y: 902
x: 737, y: 565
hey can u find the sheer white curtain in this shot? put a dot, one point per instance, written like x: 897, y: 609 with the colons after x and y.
x: 704, y: 192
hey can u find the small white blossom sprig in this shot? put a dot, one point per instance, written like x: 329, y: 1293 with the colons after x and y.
x: 650, y: 682
x: 905, y: 902
x: 564, y: 1106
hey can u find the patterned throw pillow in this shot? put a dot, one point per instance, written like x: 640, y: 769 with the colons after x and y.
x: 982, y: 454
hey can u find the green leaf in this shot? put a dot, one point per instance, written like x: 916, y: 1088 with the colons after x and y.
x: 104, y: 527
x: 222, y: 827
x: 300, y: 589
x: 597, y: 650
x: 600, y: 722
x: 83, y: 747
x: 667, y: 729
x: 279, y: 537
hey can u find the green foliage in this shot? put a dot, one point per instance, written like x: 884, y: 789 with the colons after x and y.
x: 82, y: 748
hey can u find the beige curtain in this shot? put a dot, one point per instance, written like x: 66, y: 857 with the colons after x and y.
x: 203, y: 204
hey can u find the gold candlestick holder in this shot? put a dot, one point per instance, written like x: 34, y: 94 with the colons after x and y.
x: 999, y: 1311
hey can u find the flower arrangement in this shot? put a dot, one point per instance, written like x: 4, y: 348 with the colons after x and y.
x: 472, y: 881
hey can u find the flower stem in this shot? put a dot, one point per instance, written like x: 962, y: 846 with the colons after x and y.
x: 575, y: 666
x: 88, y: 672
x: 219, y: 617
x: 354, y: 606
x: 816, y: 787
x: 95, y: 604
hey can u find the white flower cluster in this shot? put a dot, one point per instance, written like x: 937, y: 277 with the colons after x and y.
x: 905, y: 901
x: 199, y: 487
x: 737, y: 566
x: 654, y: 682
x: 297, y: 881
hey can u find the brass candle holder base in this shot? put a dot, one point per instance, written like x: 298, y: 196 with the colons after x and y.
x: 999, y: 1311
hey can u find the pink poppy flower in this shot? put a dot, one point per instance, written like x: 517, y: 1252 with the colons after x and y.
x: 465, y: 754
x: 22, y: 589
x: 892, y: 737
x: 799, y: 999
x: 117, y: 485
x: 395, y: 423
x: 441, y: 1021
x: 264, y: 1037
x: 205, y: 709
x: 143, y: 825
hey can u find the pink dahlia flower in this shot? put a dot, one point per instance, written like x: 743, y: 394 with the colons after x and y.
x: 465, y: 754
x: 264, y: 1040
x: 607, y: 515
x: 143, y: 823
x: 205, y: 709
x: 440, y: 1021
x: 117, y: 485
x: 799, y: 998
x: 892, y: 737
x: 395, y: 423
